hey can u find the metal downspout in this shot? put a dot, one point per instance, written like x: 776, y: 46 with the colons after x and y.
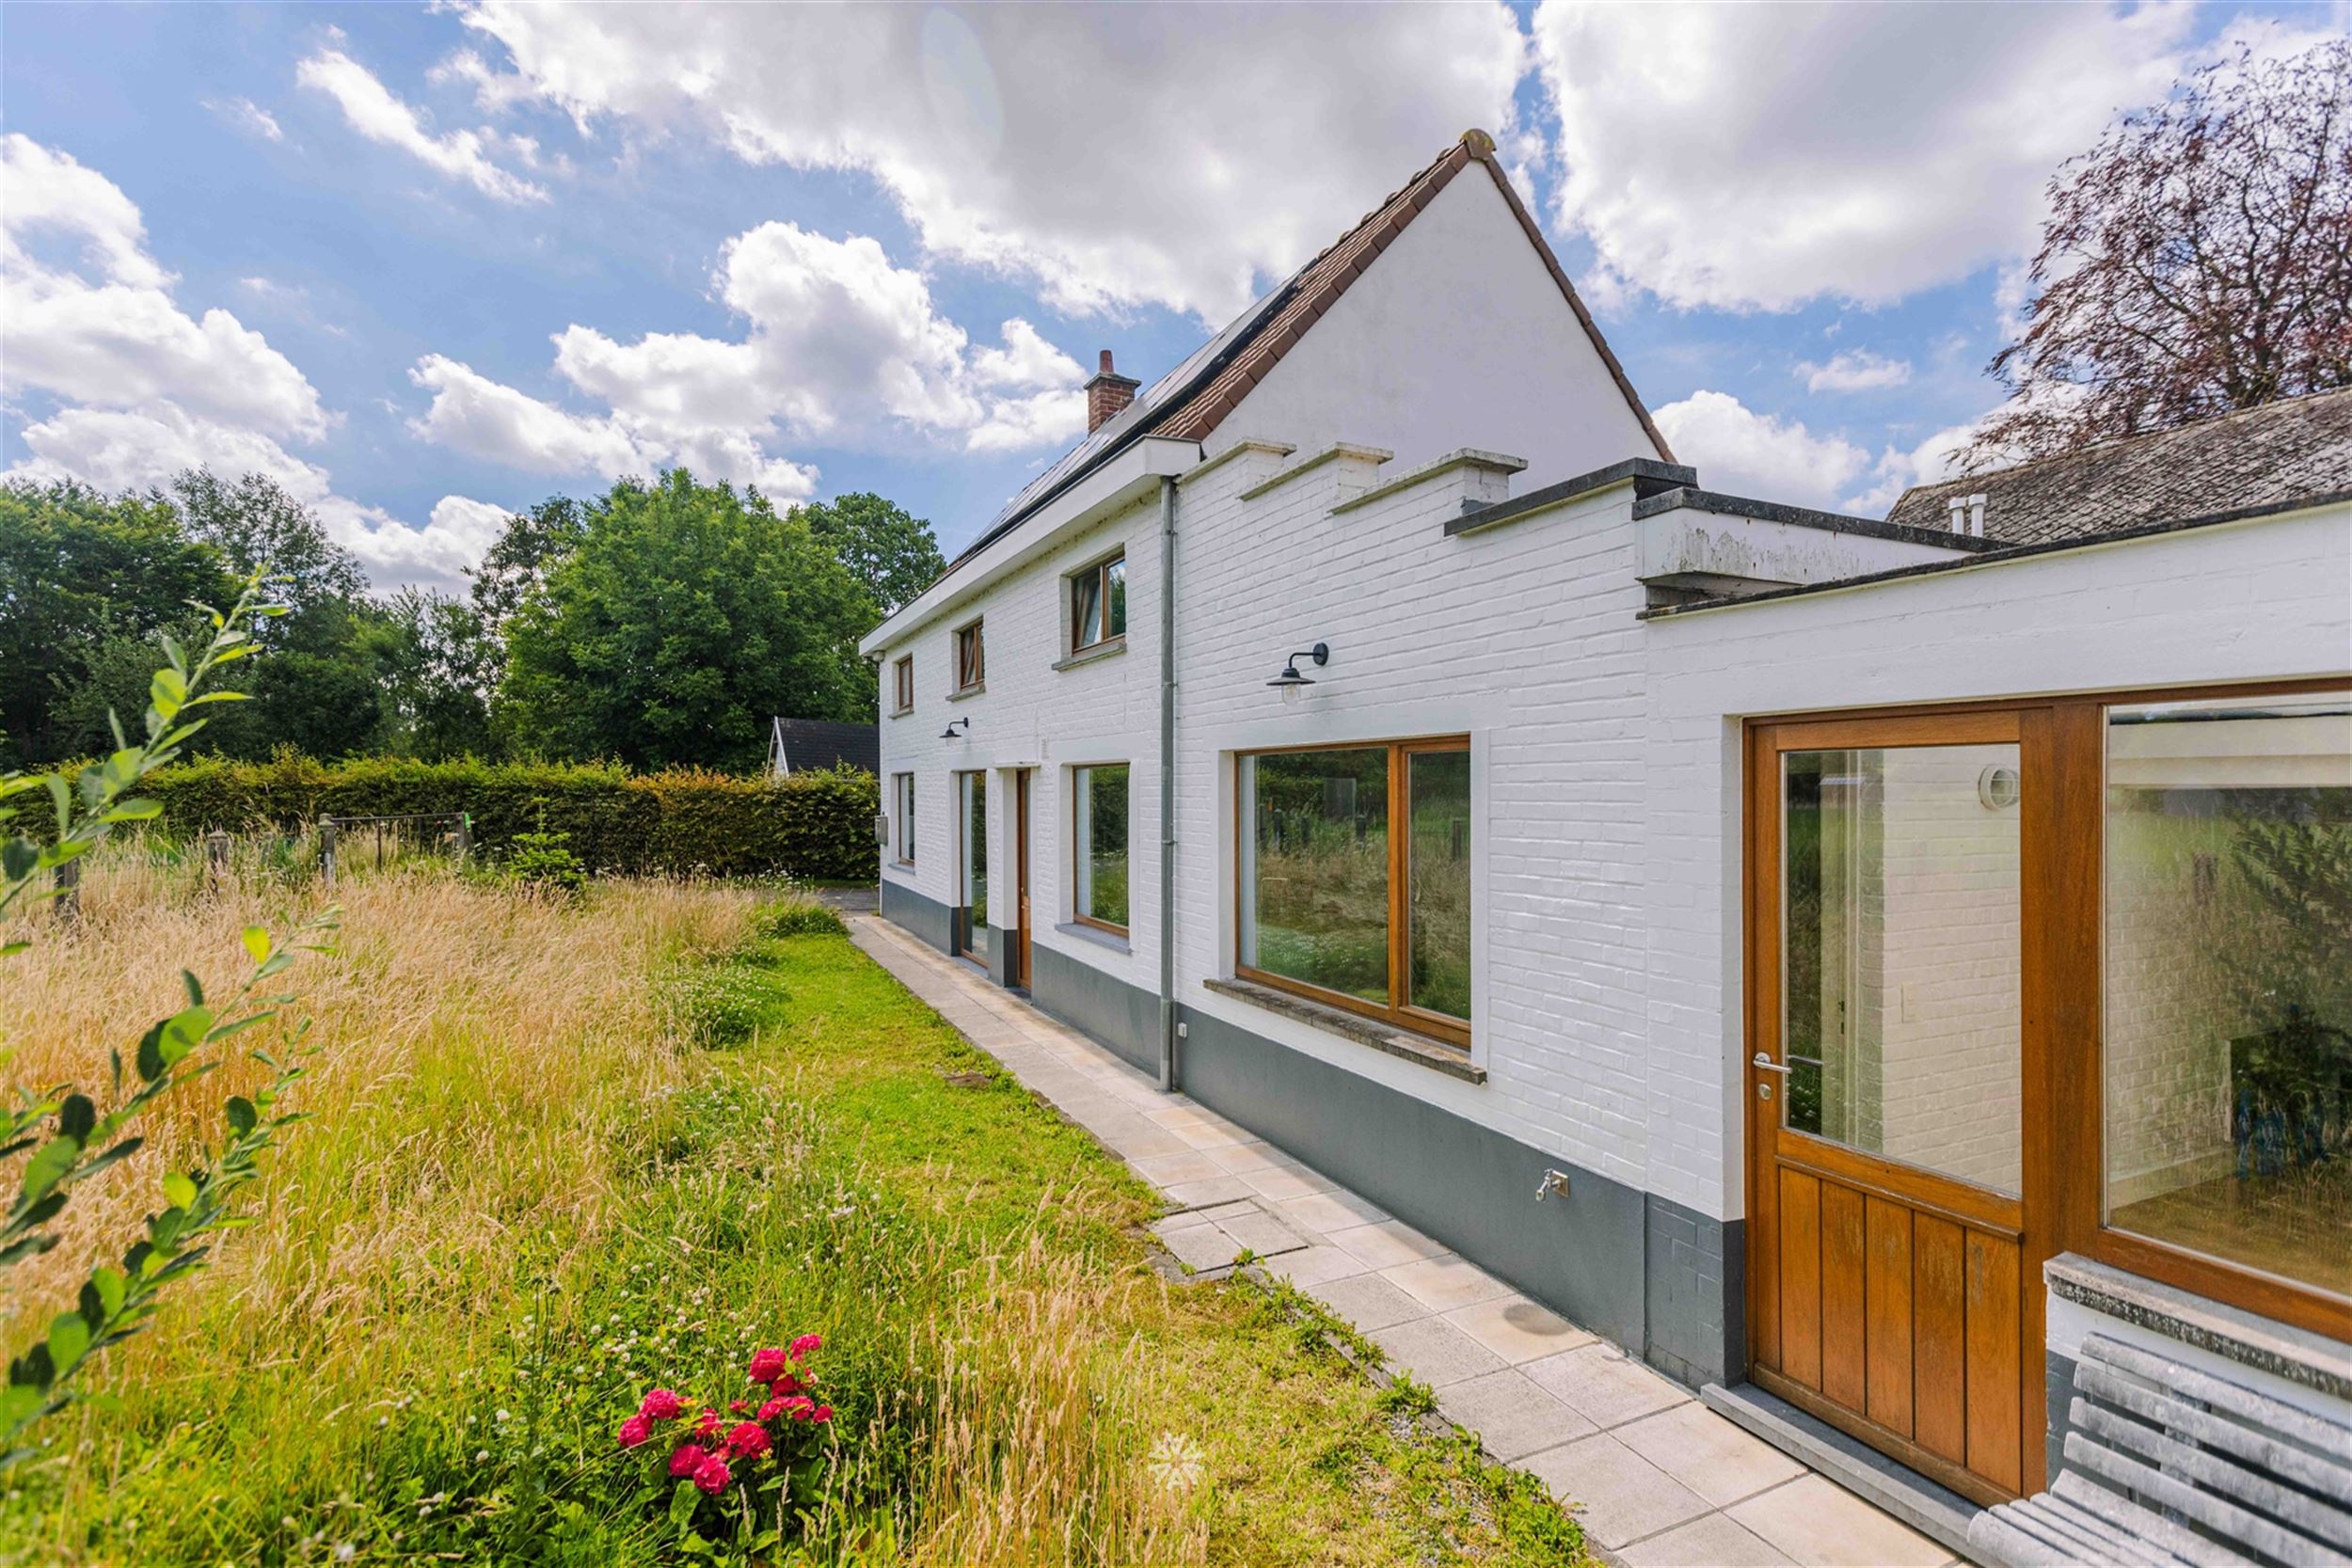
x: 1167, y: 784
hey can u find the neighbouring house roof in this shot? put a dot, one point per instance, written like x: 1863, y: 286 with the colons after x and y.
x: 2296, y: 449
x: 797, y: 745
x: 1189, y: 402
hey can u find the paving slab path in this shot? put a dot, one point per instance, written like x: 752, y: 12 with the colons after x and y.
x: 1659, y: 1479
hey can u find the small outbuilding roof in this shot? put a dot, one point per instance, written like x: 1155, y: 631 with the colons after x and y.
x: 797, y: 745
x: 2296, y: 449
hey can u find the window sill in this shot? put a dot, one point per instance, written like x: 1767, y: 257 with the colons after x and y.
x: 1420, y: 1048
x: 901, y: 712
x: 1087, y: 656
x: 967, y: 691
x: 1115, y: 941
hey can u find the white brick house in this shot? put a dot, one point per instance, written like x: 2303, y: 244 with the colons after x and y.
x: 1574, y: 672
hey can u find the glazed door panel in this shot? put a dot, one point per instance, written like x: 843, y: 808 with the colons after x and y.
x: 1893, y: 1142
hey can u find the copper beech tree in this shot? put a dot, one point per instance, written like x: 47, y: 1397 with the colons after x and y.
x: 2197, y: 260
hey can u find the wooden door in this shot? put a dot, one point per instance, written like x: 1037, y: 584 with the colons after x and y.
x: 1899, y: 1179
x: 1017, y: 966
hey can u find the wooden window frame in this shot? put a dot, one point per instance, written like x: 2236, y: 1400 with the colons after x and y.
x: 1445, y: 1030
x: 970, y: 637
x: 2065, y: 978
x: 902, y: 684
x: 1078, y: 850
x: 1100, y: 572
x: 902, y: 789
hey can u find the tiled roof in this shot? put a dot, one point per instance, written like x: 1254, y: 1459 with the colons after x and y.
x: 828, y: 743
x: 2299, y: 448
x: 1193, y: 399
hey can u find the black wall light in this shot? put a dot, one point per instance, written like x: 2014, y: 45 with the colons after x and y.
x: 1320, y: 653
x: 949, y: 733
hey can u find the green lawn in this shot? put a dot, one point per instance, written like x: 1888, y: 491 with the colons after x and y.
x: 1012, y: 1381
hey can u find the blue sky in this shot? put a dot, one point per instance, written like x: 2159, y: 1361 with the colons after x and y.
x: 783, y: 246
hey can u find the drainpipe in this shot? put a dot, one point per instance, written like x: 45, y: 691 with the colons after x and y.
x: 1167, y: 784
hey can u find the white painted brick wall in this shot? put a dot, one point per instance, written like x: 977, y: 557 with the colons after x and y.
x: 1605, y: 765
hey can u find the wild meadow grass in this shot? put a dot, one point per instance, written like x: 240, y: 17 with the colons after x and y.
x: 565, y: 1148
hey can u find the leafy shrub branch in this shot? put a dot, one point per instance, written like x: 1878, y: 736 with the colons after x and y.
x: 66, y: 1140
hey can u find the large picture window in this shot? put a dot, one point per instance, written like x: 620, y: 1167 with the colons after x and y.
x: 1355, y: 879
x: 1098, y: 605
x: 2227, y: 952
x: 905, y: 783
x: 971, y: 660
x: 1099, y: 836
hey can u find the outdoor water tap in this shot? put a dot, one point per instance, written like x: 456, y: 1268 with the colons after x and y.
x: 1553, y: 1181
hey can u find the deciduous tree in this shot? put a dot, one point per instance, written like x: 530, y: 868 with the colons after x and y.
x: 2197, y: 260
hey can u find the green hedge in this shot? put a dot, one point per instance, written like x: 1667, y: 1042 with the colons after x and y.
x: 817, y: 825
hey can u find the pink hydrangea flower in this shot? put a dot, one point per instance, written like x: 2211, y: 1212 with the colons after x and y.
x: 797, y: 1406
x: 707, y: 1424
x: 736, y: 1407
x: 747, y: 1438
x: 686, y: 1459
x: 773, y: 1408
x: 766, y: 1364
x: 711, y: 1476
x: 635, y: 1431
x: 823, y: 1414
x: 662, y: 1405
x: 787, y: 1383
x: 805, y: 1344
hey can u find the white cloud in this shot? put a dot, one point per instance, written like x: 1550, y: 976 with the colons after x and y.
x: 376, y: 113
x: 1012, y: 137
x: 487, y: 419
x: 143, y: 389
x: 841, y: 346
x: 248, y: 116
x: 1856, y: 370
x: 1756, y: 157
x: 1759, y: 455
x: 50, y: 193
x: 1024, y: 361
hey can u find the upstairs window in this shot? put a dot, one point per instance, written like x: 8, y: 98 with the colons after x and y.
x: 1098, y: 605
x: 903, y: 683
x: 971, y: 662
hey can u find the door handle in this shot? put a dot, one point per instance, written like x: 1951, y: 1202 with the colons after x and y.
x: 1765, y: 1062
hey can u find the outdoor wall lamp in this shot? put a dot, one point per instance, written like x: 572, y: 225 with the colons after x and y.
x: 1290, y: 677
x: 949, y: 733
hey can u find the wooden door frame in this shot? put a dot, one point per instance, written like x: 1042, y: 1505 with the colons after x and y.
x: 2034, y: 1221
x: 1017, y: 969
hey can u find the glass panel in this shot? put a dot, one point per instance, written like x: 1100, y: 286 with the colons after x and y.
x: 2228, y: 975
x: 1101, y: 833
x: 906, y: 817
x: 1115, y: 585
x: 1901, y: 948
x: 976, y: 865
x: 1086, y: 610
x: 1439, y: 884
x: 1315, y: 876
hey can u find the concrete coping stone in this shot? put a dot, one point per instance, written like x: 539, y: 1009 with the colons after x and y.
x: 1647, y: 476
x: 1447, y: 1059
x: 1337, y: 451
x: 2299, y: 1357
x: 1462, y: 457
x: 1238, y: 449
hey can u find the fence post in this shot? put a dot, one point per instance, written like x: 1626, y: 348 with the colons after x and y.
x: 217, y: 853
x: 68, y: 879
x: 465, y: 835
x: 327, y: 850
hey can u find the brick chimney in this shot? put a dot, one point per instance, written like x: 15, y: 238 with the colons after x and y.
x: 1107, y: 393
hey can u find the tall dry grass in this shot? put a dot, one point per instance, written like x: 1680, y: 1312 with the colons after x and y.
x: 512, y: 1035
